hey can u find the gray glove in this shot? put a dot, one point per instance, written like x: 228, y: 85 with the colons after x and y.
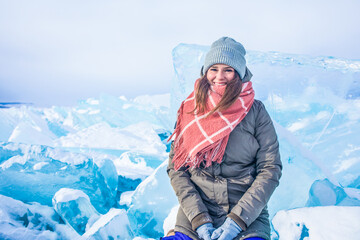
x: 205, y: 231
x: 228, y: 231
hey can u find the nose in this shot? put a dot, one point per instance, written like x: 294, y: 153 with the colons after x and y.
x: 220, y: 75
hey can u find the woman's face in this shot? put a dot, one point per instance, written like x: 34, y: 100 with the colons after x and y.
x: 220, y: 74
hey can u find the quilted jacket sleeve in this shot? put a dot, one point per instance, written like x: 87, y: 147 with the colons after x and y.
x: 268, y: 168
x: 189, y: 198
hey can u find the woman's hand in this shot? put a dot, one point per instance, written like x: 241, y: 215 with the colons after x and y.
x: 205, y: 231
x: 228, y: 231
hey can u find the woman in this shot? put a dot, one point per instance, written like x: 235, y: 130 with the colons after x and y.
x: 224, y: 162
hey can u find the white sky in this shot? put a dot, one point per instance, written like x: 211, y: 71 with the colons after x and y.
x: 57, y: 52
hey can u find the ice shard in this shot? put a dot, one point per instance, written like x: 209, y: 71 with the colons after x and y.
x: 75, y: 209
x: 34, y: 173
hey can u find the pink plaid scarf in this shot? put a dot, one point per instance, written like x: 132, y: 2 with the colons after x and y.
x: 199, y: 138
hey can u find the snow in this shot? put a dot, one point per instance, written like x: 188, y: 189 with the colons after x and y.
x: 318, y: 223
x: 112, y: 225
x: 126, y: 197
x: 39, y: 165
x: 136, y: 165
x: 97, y: 170
x: 170, y: 220
x: 15, y: 159
x: 67, y: 195
x: 139, y: 137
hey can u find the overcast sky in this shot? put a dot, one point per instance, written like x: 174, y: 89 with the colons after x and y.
x: 58, y: 52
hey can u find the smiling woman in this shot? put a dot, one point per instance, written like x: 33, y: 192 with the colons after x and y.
x: 224, y: 162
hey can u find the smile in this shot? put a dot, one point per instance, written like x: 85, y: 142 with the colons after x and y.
x: 219, y: 83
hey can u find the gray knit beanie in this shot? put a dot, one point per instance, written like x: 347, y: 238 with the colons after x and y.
x: 226, y: 51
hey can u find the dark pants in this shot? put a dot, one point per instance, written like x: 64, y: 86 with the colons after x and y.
x: 181, y: 236
x: 177, y: 236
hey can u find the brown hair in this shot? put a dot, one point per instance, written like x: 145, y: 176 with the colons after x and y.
x: 232, y: 92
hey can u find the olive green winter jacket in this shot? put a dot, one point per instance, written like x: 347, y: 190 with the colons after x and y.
x: 239, y: 187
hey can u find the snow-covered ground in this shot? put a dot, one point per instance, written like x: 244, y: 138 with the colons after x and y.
x: 98, y: 170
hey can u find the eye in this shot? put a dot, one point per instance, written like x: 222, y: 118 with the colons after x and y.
x: 229, y: 70
x: 213, y: 69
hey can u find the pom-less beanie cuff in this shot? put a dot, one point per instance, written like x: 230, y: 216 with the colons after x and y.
x: 226, y: 51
